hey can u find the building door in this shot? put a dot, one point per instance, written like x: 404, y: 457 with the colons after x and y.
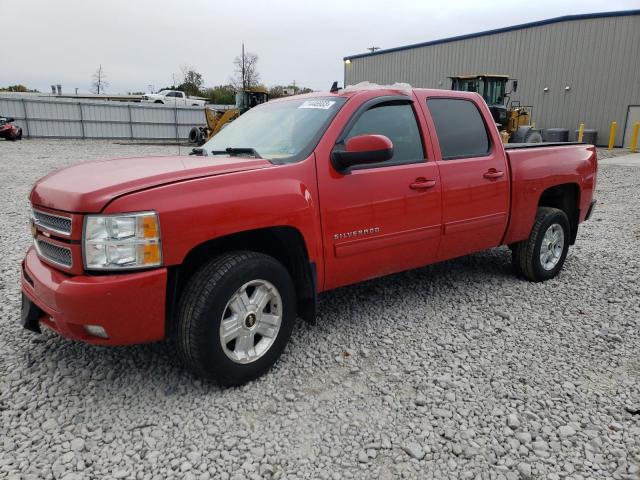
x: 633, y: 116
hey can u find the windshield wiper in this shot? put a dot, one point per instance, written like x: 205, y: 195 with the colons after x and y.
x: 236, y: 151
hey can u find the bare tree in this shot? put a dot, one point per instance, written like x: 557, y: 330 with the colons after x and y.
x: 246, y: 71
x: 99, y: 83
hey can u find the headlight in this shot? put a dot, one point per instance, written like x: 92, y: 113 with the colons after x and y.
x: 120, y: 242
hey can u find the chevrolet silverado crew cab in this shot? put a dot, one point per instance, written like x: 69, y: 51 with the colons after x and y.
x: 221, y: 252
x: 172, y: 98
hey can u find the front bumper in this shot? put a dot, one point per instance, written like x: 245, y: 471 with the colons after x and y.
x: 130, y: 307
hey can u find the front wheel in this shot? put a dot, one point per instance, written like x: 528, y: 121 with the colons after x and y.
x: 235, y: 317
x: 542, y: 255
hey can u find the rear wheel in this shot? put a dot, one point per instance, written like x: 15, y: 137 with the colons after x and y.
x: 235, y: 317
x: 542, y: 255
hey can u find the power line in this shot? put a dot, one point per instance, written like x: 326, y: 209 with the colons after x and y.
x: 373, y: 49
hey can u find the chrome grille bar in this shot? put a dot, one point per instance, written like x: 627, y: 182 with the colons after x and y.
x: 54, y: 253
x: 54, y: 223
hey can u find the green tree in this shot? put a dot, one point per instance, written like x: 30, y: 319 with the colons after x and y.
x: 221, y: 95
x: 16, y: 88
x: 192, y: 82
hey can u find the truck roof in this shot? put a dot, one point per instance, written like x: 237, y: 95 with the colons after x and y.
x: 398, y: 89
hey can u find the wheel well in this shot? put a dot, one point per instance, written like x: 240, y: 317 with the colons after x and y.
x: 565, y: 197
x: 285, y: 244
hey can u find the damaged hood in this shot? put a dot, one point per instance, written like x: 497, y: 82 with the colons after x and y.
x: 88, y: 187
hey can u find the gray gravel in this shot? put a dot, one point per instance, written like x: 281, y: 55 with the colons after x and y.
x: 457, y: 370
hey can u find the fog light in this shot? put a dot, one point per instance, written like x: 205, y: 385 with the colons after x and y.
x: 96, y: 331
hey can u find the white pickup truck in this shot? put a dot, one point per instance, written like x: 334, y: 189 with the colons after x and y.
x: 173, y: 98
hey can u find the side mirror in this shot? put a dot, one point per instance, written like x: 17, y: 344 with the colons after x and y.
x: 515, y: 86
x: 361, y: 150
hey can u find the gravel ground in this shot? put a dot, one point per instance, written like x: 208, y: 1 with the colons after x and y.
x: 457, y: 370
x: 604, y: 152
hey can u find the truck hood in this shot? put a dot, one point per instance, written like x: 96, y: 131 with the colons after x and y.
x: 88, y: 187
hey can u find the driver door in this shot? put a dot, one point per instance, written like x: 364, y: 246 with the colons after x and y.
x: 384, y: 217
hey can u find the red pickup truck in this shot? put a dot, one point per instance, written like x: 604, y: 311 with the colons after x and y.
x: 222, y: 251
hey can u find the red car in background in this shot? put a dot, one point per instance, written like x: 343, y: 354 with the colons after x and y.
x: 8, y: 130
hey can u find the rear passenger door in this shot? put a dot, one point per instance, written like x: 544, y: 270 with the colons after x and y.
x: 474, y: 176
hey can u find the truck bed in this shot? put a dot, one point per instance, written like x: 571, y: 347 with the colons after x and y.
x: 534, y: 167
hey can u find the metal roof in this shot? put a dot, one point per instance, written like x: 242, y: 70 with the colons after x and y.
x: 566, y: 18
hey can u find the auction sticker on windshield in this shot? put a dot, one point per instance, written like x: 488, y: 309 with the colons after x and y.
x: 321, y: 104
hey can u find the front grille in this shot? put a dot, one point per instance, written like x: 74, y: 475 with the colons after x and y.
x: 55, y: 223
x: 54, y: 253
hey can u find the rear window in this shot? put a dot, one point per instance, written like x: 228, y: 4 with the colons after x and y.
x: 460, y: 128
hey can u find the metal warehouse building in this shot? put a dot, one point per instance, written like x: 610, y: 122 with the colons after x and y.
x: 572, y: 69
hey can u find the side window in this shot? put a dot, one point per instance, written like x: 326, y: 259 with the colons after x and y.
x: 173, y: 94
x: 460, y: 128
x: 397, y: 122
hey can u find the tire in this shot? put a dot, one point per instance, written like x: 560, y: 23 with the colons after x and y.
x: 527, y: 256
x: 195, y: 135
x: 533, y: 136
x: 215, y: 293
x: 19, y: 135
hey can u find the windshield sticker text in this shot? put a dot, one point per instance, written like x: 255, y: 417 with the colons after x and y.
x: 321, y: 104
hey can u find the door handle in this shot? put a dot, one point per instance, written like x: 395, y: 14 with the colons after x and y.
x: 422, y: 183
x: 493, y: 174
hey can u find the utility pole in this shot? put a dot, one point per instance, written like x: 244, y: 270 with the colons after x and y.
x: 294, y: 87
x: 373, y: 49
x: 244, y: 82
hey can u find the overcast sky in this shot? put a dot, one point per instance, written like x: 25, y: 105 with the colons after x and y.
x: 143, y: 42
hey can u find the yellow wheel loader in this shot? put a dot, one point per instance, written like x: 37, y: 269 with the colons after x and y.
x: 513, y: 120
x: 217, y: 119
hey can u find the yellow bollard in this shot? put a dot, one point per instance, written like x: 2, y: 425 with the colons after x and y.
x: 580, y: 132
x: 634, y: 137
x: 612, y: 134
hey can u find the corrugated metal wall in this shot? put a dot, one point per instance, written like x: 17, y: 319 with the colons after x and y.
x: 598, y: 58
x: 62, y: 118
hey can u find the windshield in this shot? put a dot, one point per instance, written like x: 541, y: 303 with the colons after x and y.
x: 468, y: 85
x: 286, y: 131
x: 495, y: 91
